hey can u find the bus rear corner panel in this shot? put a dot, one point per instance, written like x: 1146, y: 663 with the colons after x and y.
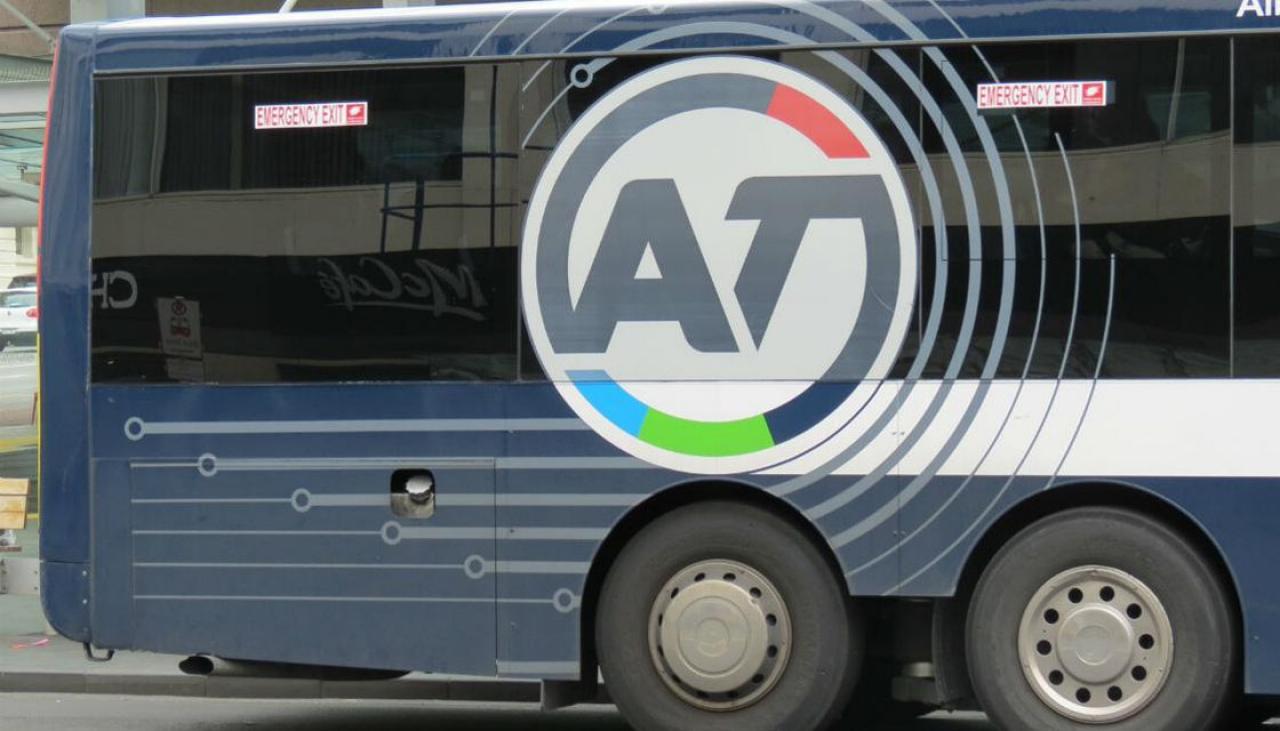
x: 64, y: 592
x: 65, y: 507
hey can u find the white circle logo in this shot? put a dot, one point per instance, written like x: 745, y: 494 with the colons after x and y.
x: 718, y: 254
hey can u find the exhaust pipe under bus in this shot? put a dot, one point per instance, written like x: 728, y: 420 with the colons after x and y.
x: 204, y: 665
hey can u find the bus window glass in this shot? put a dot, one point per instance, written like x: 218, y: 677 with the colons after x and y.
x: 232, y: 246
x: 1143, y: 181
x: 1257, y: 215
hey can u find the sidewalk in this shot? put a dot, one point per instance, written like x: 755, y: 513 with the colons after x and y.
x: 33, y: 662
x: 30, y: 665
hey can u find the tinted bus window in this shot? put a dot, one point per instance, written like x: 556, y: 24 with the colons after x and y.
x: 382, y: 247
x: 1257, y: 215
x: 1147, y: 181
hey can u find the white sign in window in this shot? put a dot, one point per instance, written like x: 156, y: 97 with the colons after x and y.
x: 1043, y: 95
x: 303, y: 116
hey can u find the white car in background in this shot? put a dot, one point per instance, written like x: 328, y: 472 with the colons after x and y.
x: 18, y: 317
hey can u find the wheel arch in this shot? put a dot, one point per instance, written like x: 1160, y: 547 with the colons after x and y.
x: 665, y: 501
x: 1093, y: 493
x: 1067, y: 496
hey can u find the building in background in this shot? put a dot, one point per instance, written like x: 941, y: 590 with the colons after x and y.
x: 24, y: 89
x: 28, y: 29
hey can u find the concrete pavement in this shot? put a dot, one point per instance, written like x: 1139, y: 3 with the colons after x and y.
x: 51, y: 712
x: 36, y: 712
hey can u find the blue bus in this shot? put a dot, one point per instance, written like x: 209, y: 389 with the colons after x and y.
x: 781, y: 362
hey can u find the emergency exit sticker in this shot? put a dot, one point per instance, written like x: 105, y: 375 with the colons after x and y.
x: 303, y: 116
x: 1043, y: 95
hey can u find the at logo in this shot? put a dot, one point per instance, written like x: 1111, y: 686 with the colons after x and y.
x: 719, y: 254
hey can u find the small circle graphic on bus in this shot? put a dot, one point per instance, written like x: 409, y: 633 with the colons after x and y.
x: 719, y: 264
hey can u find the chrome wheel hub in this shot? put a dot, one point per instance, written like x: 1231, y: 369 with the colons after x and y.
x: 719, y: 635
x: 1095, y: 644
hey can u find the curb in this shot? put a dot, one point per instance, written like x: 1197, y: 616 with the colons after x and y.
x: 192, y: 686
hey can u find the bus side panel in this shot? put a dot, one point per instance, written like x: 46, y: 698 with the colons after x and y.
x: 573, y: 489
x: 539, y: 30
x: 64, y: 330
x: 112, y: 574
x: 1239, y: 515
x: 585, y: 499
x: 259, y: 523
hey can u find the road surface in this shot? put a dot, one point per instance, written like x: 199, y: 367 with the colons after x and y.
x: 48, y: 712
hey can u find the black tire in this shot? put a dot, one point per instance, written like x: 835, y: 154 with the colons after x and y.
x: 1201, y: 685
x: 826, y: 647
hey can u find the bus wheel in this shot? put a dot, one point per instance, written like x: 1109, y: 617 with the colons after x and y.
x: 1100, y: 617
x: 722, y: 615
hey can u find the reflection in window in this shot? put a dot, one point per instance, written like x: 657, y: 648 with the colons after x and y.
x: 1163, y: 91
x: 227, y: 254
x: 1150, y: 179
x: 1257, y: 214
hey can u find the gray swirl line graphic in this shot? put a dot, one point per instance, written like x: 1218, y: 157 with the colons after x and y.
x: 954, y: 151
x: 967, y: 193
x: 1035, y: 333
x: 1075, y: 205
x: 866, y: 483
x: 1106, y: 333
x: 599, y: 26
x: 1093, y: 385
x: 1075, y: 297
x: 991, y: 151
x: 1006, y: 217
x: 644, y: 41
x: 489, y: 34
x: 917, y: 484
x: 516, y: 51
x: 937, y: 213
x: 1044, y: 418
x: 869, y: 481
x: 537, y: 124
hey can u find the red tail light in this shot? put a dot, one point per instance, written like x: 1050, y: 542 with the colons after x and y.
x: 33, y: 312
